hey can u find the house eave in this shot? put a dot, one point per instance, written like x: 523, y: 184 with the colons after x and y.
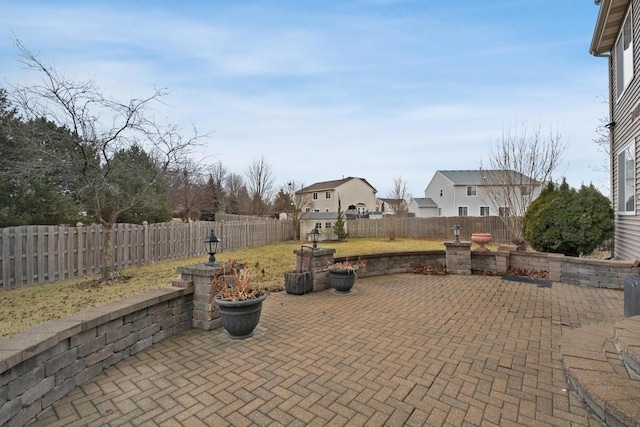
x: 610, y: 17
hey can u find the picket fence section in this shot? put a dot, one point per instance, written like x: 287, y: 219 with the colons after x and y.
x: 438, y: 228
x: 45, y: 253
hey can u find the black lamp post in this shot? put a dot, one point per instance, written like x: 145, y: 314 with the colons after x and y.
x: 211, y: 242
x: 456, y: 232
x: 315, y: 235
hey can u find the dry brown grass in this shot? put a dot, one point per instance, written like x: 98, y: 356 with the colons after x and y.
x: 25, y: 307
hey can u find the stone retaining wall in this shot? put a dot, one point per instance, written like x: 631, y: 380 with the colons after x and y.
x: 40, y: 366
x: 396, y: 262
x: 576, y: 271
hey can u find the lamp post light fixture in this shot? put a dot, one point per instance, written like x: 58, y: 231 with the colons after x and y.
x: 456, y: 232
x: 211, y: 242
x: 315, y: 235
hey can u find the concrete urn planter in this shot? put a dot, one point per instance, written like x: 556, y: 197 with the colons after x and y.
x: 481, y: 239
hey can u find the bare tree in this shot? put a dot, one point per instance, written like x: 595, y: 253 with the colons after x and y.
x: 603, y: 143
x: 400, y: 193
x: 300, y: 202
x: 260, y: 185
x: 215, y: 195
x: 187, y: 188
x: 103, y: 130
x: 522, y: 161
x: 237, y: 197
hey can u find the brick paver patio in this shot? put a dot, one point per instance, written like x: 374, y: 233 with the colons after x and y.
x: 400, y: 350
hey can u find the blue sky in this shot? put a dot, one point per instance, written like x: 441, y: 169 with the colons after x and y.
x: 377, y: 89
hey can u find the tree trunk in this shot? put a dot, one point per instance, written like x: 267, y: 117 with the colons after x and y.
x: 105, y: 254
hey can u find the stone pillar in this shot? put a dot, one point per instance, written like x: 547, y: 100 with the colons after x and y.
x: 503, y: 255
x: 202, y: 277
x: 318, y: 265
x: 502, y: 261
x: 458, y: 257
x: 555, y: 266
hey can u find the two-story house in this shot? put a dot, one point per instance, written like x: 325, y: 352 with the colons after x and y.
x: 356, y: 197
x: 474, y: 193
x: 617, y: 27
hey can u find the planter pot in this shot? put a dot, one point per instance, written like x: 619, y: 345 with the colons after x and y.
x: 298, y: 283
x: 481, y: 239
x: 342, y: 280
x: 240, y: 318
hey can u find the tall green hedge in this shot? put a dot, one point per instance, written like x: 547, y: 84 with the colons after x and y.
x: 568, y: 221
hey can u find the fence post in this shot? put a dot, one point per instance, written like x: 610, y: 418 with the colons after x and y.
x: 79, y: 250
x: 6, y: 259
x: 189, y: 243
x: 145, y: 241
x: 17, y: 257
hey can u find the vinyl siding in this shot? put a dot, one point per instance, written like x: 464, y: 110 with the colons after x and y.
x: 627, y: 234
x: 448, y: 199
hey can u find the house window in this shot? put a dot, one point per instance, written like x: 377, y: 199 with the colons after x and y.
x: 504, y: 211
x: 441, y: 192
x: 319, y: 225
x: 463, y: 211
x: 624, y: 56
x: 327, y: 225
x: 439, y: 211
x: 627, y: 179
x: 316, y: 210
x: 362, y: 210
x: 484, y: 211
x: 472, y: 191
x: 327, y: 194
x: 326, y: 209
x: 315, y: 196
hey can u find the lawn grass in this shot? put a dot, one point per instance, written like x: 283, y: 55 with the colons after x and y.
x: 26, y: 307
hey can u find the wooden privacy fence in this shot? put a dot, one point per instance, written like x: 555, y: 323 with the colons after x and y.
x: 46, y: 253
x: 438, y: 228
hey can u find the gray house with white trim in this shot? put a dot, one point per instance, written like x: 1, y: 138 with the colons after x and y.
x: 467, y: 193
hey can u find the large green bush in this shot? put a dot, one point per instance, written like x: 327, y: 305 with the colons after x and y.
x: 568, y: 221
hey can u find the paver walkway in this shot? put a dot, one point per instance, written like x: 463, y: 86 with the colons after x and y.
x: 400, y: 350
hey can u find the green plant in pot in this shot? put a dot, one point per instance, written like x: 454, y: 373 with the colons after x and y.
x: 343, y: 275
x: 240, y: 305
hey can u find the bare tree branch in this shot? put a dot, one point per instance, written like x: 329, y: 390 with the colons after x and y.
x: 103, y: 129
x: 521, y: 163
x: 260, y: 183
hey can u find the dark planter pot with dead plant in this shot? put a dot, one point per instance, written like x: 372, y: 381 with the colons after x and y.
x: 240, y: 306
x: 343, y: 275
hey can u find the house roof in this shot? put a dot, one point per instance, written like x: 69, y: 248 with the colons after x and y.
x: 610, y: 17
x: 425, y: 202
x: 484, y: 177
x: 392, y: 201
x: 330, y: 185
x: 318, y: 215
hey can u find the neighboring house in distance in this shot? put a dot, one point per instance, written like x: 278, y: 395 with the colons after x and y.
x: 391, y: 206
x: 351, y: 191
x: 613, y: 38
x: 323, y: 221
x: 467, y: 193
x: 423, y: 207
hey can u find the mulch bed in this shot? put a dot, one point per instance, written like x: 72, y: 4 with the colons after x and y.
x: 430, y: 270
